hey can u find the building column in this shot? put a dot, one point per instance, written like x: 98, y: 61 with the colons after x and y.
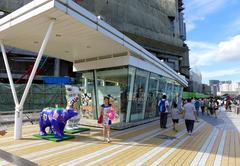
x: 130, y: 94
x: 57, y: 67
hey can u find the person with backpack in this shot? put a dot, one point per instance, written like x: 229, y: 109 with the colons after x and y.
x: 163, y: 105
x: 197, y: 106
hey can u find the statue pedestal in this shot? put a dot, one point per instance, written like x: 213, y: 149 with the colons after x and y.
x: 51, y: 137
x: 76, y: 130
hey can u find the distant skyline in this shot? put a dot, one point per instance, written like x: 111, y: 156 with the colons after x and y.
x: 213, y: 37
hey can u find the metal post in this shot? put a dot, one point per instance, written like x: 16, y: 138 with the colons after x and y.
x: 56, y: 67
x: 145, y: 96
x: 96, y: 92
x: 130, y: 93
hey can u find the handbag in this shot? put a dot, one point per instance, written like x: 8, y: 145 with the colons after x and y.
x: 100, y: 119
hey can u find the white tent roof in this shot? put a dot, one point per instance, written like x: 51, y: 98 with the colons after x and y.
x: 77, y: 34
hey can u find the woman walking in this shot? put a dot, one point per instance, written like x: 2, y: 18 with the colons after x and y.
x: 189, y: 114
x: 175, y: 116
x: 107, y: 116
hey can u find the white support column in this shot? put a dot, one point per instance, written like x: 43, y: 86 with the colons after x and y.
x: 132, y: 72
x: 40, y: 54
x: 145, y: 96
x: 9, y: 74
x: 18, y: 113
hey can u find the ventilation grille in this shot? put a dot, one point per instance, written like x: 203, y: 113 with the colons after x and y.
x: 101, y: 57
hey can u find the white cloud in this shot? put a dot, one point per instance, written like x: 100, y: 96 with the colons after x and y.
x: 222, y: 73
x: 197, y: 10
x: 203, y: 53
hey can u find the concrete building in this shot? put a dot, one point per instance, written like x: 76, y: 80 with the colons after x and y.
x: 195, y: 82
x: 229, y: 87
x: 206, y: 89
x: 214, y: 84
x: 156, y: 25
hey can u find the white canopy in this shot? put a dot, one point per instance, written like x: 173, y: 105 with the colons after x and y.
x: 77, y: 34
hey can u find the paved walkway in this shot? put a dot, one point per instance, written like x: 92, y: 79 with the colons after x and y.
x: 214, y: 142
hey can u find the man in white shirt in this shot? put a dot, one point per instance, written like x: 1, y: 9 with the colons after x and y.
x: 163, y: 105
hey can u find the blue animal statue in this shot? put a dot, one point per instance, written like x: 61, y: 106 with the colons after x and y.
x: 55, y: 119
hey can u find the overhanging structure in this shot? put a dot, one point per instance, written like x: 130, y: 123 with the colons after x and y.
x: 75, y: 35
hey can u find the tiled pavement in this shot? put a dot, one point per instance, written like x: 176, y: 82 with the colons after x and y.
x: 214, y: 142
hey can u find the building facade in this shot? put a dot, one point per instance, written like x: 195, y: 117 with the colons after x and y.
x: 108, y: 62
x: 214, y: 84
x: 195, y: 82
x: 229, y: 87
x: 156, y: 25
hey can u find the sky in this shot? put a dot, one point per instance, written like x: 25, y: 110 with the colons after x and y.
x: 213, y: 37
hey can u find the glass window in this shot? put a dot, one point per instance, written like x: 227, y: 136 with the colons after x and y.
x: 114, y: 82
x: 151, y: 105
x: 169, y: 91
x: 87, y: 99
x: 139, y: 92
x: 162, y: 86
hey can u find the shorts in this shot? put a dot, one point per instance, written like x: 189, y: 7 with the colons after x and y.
x: 175, y: 120
x: 107, y: 122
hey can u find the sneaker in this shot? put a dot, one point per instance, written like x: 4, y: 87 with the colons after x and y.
x: 108, y: 140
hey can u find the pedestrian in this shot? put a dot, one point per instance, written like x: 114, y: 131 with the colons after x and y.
x: 175, y: 115
x: 206, y: 103
x: 106, y: 121
x: 197, y: 106
x: 163, y: 105
x: 215, y: 107
x: 211, y: 106
x: 202, y: 105
x: 189, y: 114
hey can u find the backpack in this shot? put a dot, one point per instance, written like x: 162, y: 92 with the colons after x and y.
x: 197, y: 104
x: 162, y: 106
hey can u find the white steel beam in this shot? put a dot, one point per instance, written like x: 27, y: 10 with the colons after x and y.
x: 9, y: 74
x: 19, y: 106
x: 18, y: 112
x: 39, y: 56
